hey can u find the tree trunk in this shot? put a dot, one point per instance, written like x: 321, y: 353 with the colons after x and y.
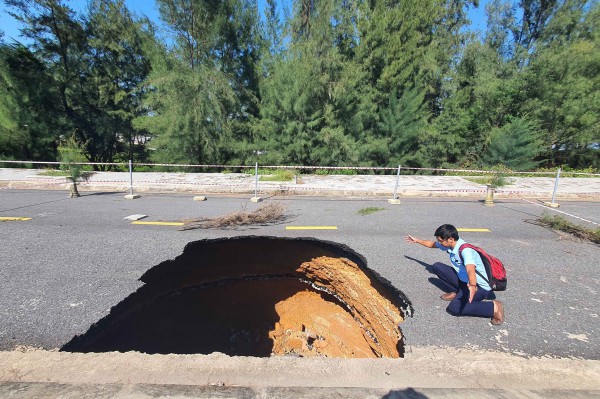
x: 73, y: 193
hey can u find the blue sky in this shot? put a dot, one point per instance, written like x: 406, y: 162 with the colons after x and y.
x: 147, y: 7
x: 11, y: 26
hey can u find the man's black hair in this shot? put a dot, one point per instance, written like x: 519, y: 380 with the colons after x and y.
x: 446, y: 231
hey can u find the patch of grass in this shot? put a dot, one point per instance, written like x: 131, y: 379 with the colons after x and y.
x: 278, y: 175
x: 497, y: 181
x: 539, y: 172
x: 567, y: 172
x: 275, y: 174
x: 269, y: 213
x: 559, y: 223
x: 480, y: 180
x: 53, y: 172
x: 324, y: 172
x: 369, y: 210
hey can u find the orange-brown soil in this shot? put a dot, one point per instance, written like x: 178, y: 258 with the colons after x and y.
x: 375, y: 313
x: 311, y: 326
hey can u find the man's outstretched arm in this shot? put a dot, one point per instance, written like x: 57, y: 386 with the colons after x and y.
x: 425, y: 243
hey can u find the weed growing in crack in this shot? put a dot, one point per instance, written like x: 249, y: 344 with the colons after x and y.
x: 559, y: 223
x: 369, y: 210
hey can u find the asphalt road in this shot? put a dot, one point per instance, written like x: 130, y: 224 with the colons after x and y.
x: 65, y: 268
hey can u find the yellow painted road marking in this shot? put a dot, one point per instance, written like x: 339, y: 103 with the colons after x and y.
x: 474, y: 230
x: 311, y: 227
x: 160, y: 223
x: 12, y: 219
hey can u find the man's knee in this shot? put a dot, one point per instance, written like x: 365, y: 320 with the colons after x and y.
x: 454, y: 307
x: 439, y: 268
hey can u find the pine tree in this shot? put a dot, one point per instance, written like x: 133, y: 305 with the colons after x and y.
x: 514, y: 145
x: 29, y: 120
x: 563, y: 83
x: 213, y: 68
x: 119, y: 66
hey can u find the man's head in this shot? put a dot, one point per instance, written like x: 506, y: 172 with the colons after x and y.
x: 447, y: 235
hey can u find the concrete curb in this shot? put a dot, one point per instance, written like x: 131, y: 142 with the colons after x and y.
x: 423, y: 367
x: 26, y: 390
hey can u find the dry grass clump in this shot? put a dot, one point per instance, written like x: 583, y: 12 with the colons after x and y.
x: 268, y: 213
x: 559, y: 223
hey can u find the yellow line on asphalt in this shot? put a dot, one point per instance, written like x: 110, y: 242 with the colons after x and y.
x: 12, y: 219
x: 474, y: 230
x: 160, y: 223
x: 311, y: 227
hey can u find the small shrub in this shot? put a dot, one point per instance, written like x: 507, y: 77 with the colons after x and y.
x: 497, y: 178
x: 123, y: 168
x: 71, y: 153
x: 143, y: 168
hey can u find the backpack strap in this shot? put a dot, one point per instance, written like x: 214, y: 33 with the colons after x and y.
x: 460, y: 249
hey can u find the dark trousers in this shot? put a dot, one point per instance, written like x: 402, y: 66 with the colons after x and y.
x: 460, y: 305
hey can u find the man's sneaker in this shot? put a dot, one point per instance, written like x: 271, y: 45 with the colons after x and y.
x: 448, y: 296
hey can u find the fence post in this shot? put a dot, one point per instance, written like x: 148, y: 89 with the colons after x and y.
x: 256, y: 198
x: 394, y: 200
x: 489, y: 198
x: 131, y: 195
x: 553, y: 204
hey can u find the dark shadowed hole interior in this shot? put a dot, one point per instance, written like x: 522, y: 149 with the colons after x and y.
x: 256, y: 296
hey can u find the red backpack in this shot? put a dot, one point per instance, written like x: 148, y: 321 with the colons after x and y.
x: 496, y: 273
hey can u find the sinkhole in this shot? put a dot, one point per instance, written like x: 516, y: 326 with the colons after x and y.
x: 257, y: 296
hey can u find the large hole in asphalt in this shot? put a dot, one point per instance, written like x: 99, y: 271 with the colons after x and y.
x: 257, y: 296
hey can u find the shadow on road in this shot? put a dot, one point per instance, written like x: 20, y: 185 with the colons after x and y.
x: 407, y: 393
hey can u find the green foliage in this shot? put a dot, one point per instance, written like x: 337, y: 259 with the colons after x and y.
x: 403, y: 123
x: 325, y: 172
x: 275, y: 174
x: 194, y: 131
x: 563, y: 82
x: 514, y: 145
x: 497, y: 178
x: 328, y: 83
x: 88, y: 74
x: 53, y: 172
x: 291, y: 117
x: 27, y: 113
x: 72, y: 153
x: 10, y: 133
x: 202, y: 93
x: 116, y: 49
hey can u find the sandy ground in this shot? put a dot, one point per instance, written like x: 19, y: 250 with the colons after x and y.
x: 423, y: 367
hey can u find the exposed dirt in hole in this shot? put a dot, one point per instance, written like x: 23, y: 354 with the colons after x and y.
x: 309, y: 326
x: 257, y: 296
x: 367, y: 326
